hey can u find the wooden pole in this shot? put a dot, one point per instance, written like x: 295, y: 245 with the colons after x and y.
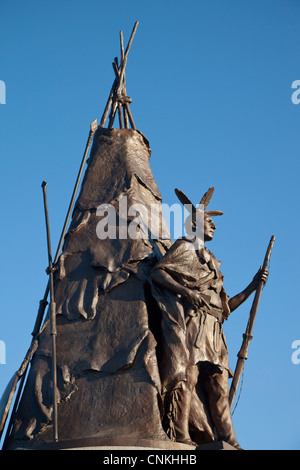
x: 43, y: 302
x: 53, y: 331
x: 125, y: 115
x: 130, y: 116
x: 247, y: 336
x: 21, y: 373
x: 118, y: 82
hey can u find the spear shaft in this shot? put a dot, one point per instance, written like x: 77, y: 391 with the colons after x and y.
x: 53, y: 331
x: 43, y: 302
x: 21, y: 373
x: 247, y: 336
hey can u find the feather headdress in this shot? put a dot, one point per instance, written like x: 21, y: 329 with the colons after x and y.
x: 205, y: 201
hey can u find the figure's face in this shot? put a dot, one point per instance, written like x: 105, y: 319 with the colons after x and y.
x: 209, y: 228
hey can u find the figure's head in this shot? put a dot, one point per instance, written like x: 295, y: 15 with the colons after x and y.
x: 209, y: 228
x: 199, y: 216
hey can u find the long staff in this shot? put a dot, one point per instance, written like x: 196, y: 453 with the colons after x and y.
x: 44, y: 302
x: 247, y: 336
x: 7, y: 397
x: 53, y: 331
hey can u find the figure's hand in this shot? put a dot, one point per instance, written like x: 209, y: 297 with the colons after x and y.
x: 195, y: 299
x: 261, y: 275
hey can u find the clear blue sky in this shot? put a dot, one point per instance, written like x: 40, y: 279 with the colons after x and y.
x: 211, y: 87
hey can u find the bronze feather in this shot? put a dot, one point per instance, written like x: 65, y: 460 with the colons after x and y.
x: 184, y: 199
x: 214, y: 212
x: 207, y: 197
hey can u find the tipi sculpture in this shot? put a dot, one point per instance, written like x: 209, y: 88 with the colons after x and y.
x: 107, y: 324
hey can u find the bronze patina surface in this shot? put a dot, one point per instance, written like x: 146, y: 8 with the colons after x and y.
x: 189, y: 287
x: 132, y: 351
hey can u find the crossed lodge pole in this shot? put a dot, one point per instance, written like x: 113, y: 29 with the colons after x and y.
x: 53, y: 331
x: 20, y: 374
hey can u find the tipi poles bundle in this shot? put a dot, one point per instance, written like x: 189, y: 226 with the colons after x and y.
x: 117, y: 97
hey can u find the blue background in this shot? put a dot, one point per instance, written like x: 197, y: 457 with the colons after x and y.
x: 211, y: 88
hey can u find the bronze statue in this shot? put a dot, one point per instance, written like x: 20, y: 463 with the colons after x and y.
x: 131, y: 351
x: 188, y: 285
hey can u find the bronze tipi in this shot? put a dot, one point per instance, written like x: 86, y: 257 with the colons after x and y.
x: 108, y: 325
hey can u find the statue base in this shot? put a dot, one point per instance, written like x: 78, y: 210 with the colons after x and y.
x: 112, y: 444
x: 133, y: 444
x: 216, y: 445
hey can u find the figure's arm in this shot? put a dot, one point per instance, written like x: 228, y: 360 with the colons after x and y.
x: 237, y: 300
x: 164, y: 279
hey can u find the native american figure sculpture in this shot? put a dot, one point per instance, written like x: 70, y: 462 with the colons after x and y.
x: 188, y: 285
